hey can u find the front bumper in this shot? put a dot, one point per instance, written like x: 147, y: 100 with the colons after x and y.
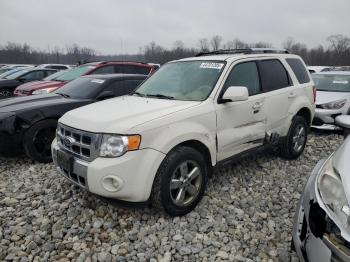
x: 127, y: 178
x: 313, y: 231
x: 325, y: 119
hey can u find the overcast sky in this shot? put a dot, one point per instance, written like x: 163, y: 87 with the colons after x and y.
x: 113, y: 26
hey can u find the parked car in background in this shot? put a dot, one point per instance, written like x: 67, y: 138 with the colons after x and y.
x: 9, y: 72
x: 162, y: 142
x: 318, y: 69
x: 29, y: 123
x: 112, y: 67
x: 54, y: 66
x: 40, y: 87
x: 9, y: 83
x: 333, y: 98
x: 321, y: 231
x: 13, y: 67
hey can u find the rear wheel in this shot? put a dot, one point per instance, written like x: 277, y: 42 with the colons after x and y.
x: 5, y: 93
x: 37, y: 140
x: 293, y: 145
x: 180, y: 181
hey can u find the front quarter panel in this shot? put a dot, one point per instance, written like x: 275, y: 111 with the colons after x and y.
x: 198, y: 123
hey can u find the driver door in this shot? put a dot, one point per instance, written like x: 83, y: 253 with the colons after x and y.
x: 241, y: 125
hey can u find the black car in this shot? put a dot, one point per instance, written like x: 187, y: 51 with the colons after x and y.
x: 29, y: 123
x: 9, y: 83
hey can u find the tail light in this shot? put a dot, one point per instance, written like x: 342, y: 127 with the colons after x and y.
x: 314, y: 93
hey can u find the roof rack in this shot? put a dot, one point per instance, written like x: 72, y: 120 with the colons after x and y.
x: 245, y: 51
x: 121, y: 61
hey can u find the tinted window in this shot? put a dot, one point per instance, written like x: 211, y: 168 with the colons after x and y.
x: 131, y: 69
x: 34, y: 75
x: 244, y: 74
x: 58, y: 67
x: 82, y: 87
x: 104, y: 70
x: 299, y: 70
x: 74, y: 73
x: 273, y: 75
x: 120, y: 88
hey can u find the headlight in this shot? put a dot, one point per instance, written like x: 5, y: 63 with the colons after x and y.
x: 116, y: 145
x: 334, y: 105
x: 332, y: 192
x: 44, y: 91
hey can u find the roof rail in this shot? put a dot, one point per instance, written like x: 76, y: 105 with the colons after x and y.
x: 121, y: 61
x: 245, y: 51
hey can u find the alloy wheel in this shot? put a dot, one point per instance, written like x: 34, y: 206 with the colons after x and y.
x: 299, y: 138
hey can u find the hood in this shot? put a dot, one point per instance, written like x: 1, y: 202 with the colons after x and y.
x: 323, y: 97
x: 17, y: 104
x: 121, y: 114
x: 40, y: 85
x: 342, y: 164
x: 8, y: 82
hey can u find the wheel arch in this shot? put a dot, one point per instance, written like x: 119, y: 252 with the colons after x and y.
x: 305, y: 113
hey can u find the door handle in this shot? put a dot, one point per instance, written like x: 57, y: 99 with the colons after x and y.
x: 257, y: 106
x: 291, y: 95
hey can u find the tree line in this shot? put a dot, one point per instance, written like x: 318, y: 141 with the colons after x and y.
x: 336, y: 52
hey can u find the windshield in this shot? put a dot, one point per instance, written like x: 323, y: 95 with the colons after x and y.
x: 74, y: 73
x: 16, y: 74
x: 332, y: 83
x: 55, y: 75
x: 189, y: 81
x: 82, y: 88
x: 7, y: 73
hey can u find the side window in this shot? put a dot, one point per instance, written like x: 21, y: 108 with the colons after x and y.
x: 47, y: 73
x: 104, y: 70
x: 244, y: 74
x: 34, y: 75
x: 273, y: 75
x: 131, y: 69
x: 299, y: 70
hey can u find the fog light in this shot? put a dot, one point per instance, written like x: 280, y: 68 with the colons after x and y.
x: 112, y: 183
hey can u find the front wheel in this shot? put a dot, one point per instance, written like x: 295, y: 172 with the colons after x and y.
x: 180, y: 181
x: 37, y: 140
x: 294, y: 143
x: 5, y: 93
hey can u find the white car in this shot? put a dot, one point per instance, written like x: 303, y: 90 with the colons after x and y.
x: 161, y: 143
x: 332, y: 99
x: 319, y: 69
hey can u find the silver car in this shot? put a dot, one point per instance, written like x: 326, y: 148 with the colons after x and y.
x: 321, y: 230
x: 332, y: 98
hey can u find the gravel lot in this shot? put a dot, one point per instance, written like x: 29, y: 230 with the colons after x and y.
x: 246, y: 215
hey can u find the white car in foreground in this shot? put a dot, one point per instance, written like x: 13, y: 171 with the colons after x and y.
x: 161, y: 143
x: 332, y: 99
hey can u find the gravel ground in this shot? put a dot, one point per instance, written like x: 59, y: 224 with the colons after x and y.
x: 246, y: 215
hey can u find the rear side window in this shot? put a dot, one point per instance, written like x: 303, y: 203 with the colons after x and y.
x: 104, y: 70
x: 131, y: 69
x: 244, y: 74
x: 299, y: 70
x: 273, y: 75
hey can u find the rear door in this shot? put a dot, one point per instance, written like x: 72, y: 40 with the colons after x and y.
x: 279, y: 93
x: 241, y: 125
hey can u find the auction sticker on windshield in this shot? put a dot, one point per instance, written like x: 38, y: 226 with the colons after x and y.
x: 344, y: 82
x: 212, y: 65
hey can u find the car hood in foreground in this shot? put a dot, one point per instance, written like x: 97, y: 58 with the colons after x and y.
x: 120, y: 115
x: 36, y: 103
x: 323, y: 97
x: 40, y: 85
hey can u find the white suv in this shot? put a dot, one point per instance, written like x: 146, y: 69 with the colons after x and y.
x: 162, y: 142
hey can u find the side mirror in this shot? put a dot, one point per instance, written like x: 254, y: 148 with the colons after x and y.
x: 105, y: 95
x: 343, y: 121
x: 234, y: 94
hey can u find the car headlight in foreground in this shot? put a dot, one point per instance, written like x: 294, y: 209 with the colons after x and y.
x: 332, y: 193
x: 117, y: 145
x: 44, y: 91
x: 334, y: 105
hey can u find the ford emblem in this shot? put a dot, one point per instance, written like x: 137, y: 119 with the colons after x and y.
x: 68, y: 141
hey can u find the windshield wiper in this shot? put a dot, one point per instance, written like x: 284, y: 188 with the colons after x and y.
x: 137, y: 93
x: 160, y: 96
x: 64, y: 95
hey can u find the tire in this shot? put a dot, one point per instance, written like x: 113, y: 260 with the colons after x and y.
x: 293, y: 144
x: 37, y: 140
x: 6, y: 93
x: 186, y: 193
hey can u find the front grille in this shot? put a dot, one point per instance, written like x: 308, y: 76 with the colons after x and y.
x: 80, y: 180
x: 81, y: 144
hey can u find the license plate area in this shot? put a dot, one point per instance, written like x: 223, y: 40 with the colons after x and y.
x: 65, y: 162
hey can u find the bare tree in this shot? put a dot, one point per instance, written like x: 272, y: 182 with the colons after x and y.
x: 215, y: 42
x: 339, y: 43
x: 203, y: 45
